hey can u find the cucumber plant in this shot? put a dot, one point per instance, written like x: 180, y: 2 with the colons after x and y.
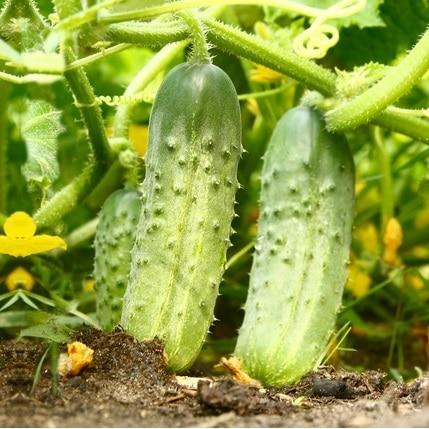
x: 114, y: 240
x: 302, y: 250
x: 188, y: 205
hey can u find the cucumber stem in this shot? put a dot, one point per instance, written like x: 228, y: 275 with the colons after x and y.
x: 200, y: 49
x: 397, y: 81
x: 240, y: 43
x: 148, y: 33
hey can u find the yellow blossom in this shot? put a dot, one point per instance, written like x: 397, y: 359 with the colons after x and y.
x: 415, y: 281
x: 20, y: 278
x: 367, y: 234
x: 252, y: 106
x: 88, y: 285
x: 263, y: 31
x: 262, y: 74
x: 392, y: 240
x: 138, y: 135
x: 358, y: 281
x: 78, y: 357
x: 422, y: 218
x: 20, y: 238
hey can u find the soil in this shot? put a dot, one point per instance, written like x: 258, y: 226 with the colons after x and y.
x: 127, y: 385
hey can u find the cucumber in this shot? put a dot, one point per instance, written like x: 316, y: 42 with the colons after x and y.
x: 188, y: 205
x: 113, y: 242
x: 302, y: 250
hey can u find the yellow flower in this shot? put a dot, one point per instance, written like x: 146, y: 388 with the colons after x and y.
x: 138, y: 135
x: 263, y: 74
x: 358, y: 281
x: 392, y: 240
x: 20, y: 278
x: 422, y: 218
x: 88, y: 285
x: 252, y: 106
x: 415, y: 281
x: 20, y: 238
x: 367, y: 234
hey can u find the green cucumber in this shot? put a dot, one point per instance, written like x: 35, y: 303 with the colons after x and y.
x: 302, y: 250
x: 188, y: 205
x: 113, y: 242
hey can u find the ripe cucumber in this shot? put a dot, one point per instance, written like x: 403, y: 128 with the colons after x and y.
x: 302, y: 250
x: 188, y: 205
x: 114, y: 239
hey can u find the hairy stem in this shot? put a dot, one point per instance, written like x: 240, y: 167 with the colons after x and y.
x: 396, y: 82
x: 65, y: 200
x: 200, y: 50
x: 152, y: 34
x: 240, y: 43
x: 81, y: 62
x: 91, y: 113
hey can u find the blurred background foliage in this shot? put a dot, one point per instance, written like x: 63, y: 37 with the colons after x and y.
x: 386, y: 302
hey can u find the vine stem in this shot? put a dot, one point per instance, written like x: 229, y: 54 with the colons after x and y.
x: 151, y: 34
x: 85, y: 98
x: 237, y: 42
x: 386, y: 185
x: 82, y: 234
x: 65, y: 200
x: 200, y: 50
x: 240, y: 43
x: 172, y: 7
x: 396, y: 82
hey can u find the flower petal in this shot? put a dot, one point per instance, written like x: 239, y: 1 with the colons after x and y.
x: 29, y: 246
x: 19, y: 225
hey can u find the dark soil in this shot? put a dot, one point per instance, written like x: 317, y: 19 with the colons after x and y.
x: 127, y: 386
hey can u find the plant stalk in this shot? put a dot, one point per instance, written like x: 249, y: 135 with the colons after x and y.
x: 397, y: 81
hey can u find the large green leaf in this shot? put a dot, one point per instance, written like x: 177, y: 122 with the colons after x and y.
x: 40, y: 129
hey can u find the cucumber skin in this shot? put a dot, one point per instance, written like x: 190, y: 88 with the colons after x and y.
x: 188, y: 204
x: 113, y: 242
x: 302, y: 250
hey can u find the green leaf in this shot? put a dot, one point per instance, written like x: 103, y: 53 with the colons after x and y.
x: 41, y: 127
x: 8, y: 53
x: 51, y: 330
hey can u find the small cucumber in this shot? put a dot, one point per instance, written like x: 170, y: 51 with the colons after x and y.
x: 188, y: 205
x: 114, y: 239
x: 302, y: 250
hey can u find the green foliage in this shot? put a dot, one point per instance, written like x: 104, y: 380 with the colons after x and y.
x: 41, y: 126
x: 69, y: 71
